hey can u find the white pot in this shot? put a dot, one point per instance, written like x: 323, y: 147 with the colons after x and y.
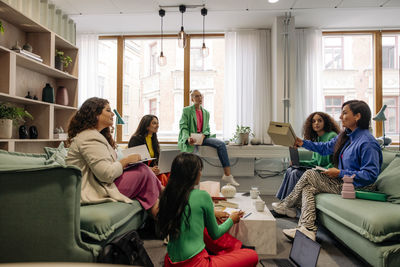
x: 5, y: 128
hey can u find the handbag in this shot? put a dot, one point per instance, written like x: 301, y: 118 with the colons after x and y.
x: 125, y: 249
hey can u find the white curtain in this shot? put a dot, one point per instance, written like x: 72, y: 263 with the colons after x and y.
x: 88, y: 62
x: 308, y: 84
x: 247, y: 95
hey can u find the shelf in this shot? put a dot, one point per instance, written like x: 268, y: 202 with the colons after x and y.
x: 42, y: 68
x: 64, y: 44
x: 31, y: 140
x: 26, y: 101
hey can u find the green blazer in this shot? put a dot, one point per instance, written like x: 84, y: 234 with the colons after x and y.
x: 188, y: 125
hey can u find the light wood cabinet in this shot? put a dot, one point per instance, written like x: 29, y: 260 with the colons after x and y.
x: 20, y: 74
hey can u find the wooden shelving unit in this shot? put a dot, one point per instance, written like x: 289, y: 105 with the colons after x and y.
x: 20, y: 74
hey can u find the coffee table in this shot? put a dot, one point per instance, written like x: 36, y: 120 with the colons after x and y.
x: 258, y: 229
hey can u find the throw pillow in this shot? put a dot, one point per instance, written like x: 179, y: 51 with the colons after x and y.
x: 388, y: 181
x: 56, y: 155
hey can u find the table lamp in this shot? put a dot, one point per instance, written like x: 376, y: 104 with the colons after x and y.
x: 118, y: 121
x: 380, y: 116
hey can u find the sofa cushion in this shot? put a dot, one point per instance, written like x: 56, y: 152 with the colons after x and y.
x: 387, y: 157
x: 388, y: 181
x: 21, y: 159
x: 99, y: 221
x: 377, y: 221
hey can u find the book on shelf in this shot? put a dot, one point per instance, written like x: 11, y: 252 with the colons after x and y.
x: 29, y: 54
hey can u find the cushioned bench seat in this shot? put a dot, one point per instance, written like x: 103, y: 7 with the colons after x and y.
x: 374, y: 220
x: 101, y: 221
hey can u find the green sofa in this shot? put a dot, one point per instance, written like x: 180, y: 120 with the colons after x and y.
x: 41, y: 219
x: 369, y: 228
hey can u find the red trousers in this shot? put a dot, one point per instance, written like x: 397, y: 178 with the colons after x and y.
x: 225, y: 251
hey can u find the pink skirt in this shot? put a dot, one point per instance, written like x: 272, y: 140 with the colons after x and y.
x: 140, y: 183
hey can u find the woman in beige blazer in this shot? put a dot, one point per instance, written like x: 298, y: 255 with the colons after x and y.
x: 92, y: 149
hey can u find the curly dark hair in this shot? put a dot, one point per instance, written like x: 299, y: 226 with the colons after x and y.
x: 357, y: 107
x: 175, y: 197
x: 86, y: 118
x: 329, y: 126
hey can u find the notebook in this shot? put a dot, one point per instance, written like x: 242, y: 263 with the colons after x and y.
x: 165, y: 160
x: 295, y: 159
x: 141, y: 150
x: 304, y: 253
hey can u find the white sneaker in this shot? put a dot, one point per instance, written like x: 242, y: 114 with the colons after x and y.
x: 290, y: 233
x: 230, y: 180
x: 280, y: 208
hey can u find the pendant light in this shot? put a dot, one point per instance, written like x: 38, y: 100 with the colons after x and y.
x: 162, y: 60
x: 182, y: 35
x: 204, y: 50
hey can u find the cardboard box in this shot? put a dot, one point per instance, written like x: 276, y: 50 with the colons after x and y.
x: 281, y: 133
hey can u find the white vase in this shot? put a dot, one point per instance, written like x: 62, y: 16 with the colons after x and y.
x: 5, y: 128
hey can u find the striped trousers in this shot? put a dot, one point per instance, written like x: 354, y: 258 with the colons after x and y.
x: 310, y: 184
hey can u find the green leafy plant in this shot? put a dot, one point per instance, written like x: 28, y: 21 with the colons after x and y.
x: 66, y: 60
x: 240, y: 130
x: 1, y: 27
x: 16, y: 114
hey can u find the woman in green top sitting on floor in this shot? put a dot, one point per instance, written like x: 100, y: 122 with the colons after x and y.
x: 318, y: 127
x: 183, y: 214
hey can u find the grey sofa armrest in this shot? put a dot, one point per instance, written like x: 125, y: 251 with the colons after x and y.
x: 40, y: 215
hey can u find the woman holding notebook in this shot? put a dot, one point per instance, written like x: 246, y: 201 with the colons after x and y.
x: 355, y: 152
x: 318, y: 127
x: 146, y: 133
x: 92, y: 149
x: 195, y: 130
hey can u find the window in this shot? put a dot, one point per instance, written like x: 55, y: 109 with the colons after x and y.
x: 350, y: 74
x: 391, y: 83
x: 153, y: 58
x: 125, y: 128
x: 333, y: 52
x: 125, y: 96
x: 101, y: 81
x: 153, y: 106
x: 107, y: 71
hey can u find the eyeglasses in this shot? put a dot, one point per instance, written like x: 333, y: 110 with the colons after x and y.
x: 198, y: 96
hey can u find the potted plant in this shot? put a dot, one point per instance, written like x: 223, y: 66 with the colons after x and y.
x: 62, y: 60
x: 8, y: 116
x: 241, y: 135
x: 1, y: 27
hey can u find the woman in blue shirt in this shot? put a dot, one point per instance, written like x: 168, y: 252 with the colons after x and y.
x: 355, y: 152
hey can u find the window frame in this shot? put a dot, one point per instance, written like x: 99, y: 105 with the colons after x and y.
x: 120, y: 67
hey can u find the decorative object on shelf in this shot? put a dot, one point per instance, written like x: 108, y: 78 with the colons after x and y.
x: 59, y: 133
x: 348, y: 187
x: 62, y: 96
x: 28, y: 53
x: 27, y: 47
x: 62, y: 61
x: 8, y: 115
x: 48, y: 94
x: 162, y: 60
x: 29, y: 95
x: 1, y: 27
x: 228, y: 190
x: 35, y: 97
x: 204, y: 50
x: 16, y: 47
x: 33, y: 132
x: 255, y: 141
x: 380, y: 116
x: 23, y: 132
x: 241, y: 135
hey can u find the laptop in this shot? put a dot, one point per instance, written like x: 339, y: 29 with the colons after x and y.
x: 295, y: 159
x: 166, y: 158
x: 304, y: 253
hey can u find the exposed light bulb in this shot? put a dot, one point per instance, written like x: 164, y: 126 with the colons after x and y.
x: 182, y: 38
x: 273, y: 1
x: 204, y: 51
x: 162, y: 60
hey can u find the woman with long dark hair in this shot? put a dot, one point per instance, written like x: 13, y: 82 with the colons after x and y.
x: 355, y: 152
x: 146, y: 133
x: 186, y: 211
x: 318, y: 127
x: 92, y: 149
